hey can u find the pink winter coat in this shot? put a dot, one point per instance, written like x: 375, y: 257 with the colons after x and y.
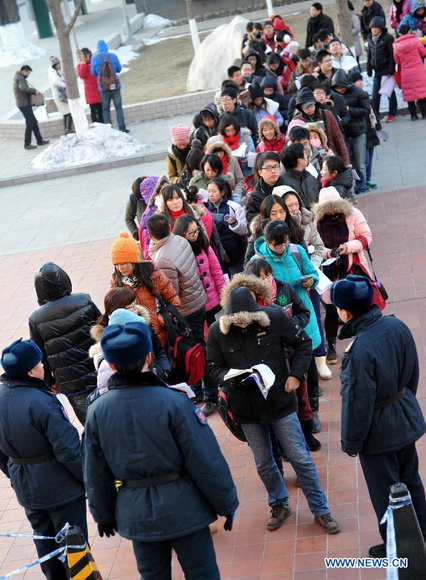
x: 359, y: 231
x: 408, y: 52
x: 392, y: 14
x: 91, y: 90
x: 211, y: 276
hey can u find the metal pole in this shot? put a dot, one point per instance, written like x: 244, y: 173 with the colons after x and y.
x: 192, y: 26
x: 269, y: 7
x: 127, y: 22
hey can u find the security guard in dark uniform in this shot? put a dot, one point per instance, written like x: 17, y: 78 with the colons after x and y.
x: 381, y: 417
x: 39, y: 451
x: 152, y: 466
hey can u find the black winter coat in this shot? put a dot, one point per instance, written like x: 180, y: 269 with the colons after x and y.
x: 379, y: 362
x: 380, y: 55
x: 367, y: 14
x: 343, y: 183
x: 242, y: 348
x: 305, y: 184
x: 261, y: 190
x: 33, y: 423
x: 321, y: 22
x: 61, y: 328
x: 140, y: 428
x: 358, y: 103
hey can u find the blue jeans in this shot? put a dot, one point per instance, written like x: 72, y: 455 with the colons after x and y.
x: 356, y: 148
x: 195, y: 553
x: 289, y: 433
x: 369, y: 155
x: 393, y: 105
x: 115, y: 96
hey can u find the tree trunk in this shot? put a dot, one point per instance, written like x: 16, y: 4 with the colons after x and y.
x: 63, y: 33
x: 9, y: 12
x: 345, y: 23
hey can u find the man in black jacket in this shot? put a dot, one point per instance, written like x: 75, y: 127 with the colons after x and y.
x: 229, y: 104
x: 39, y: 451
x: 381, y: 417
x: 269, y: 171
x: 318, y: 21
x: 246, y: 335
x: 380, y: 60
x: 295, y: 174
x: 370, y: 10
x: 61, y: 328
x: 355, y: 130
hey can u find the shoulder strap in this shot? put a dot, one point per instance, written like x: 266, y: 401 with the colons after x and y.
x: 370, y: 257
x: 296, y: 255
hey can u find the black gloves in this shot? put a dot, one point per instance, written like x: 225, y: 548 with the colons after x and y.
x: 107, y: 529
x: 227, y: 526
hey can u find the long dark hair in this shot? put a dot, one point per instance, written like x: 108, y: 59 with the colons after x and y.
x: 181, y: 227
x: 116, y: 298
x: 167, y: 193
x: 142, y: 272
x: 296, y: 232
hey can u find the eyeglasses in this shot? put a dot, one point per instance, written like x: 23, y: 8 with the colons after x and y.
x: 131, y: 306
x: 279, y: 246
x: 193, y: 233
x: 270, y: 168
x: 226, y: 100
x: 326, y: 60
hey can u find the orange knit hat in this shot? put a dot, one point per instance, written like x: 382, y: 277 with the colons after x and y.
x: 125, y: 249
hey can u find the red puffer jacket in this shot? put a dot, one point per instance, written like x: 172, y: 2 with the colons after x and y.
x: 91, y: 91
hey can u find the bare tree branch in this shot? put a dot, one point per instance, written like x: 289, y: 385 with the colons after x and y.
x: 74, y: 16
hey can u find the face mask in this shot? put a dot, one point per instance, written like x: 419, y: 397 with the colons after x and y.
x: 316, y: 142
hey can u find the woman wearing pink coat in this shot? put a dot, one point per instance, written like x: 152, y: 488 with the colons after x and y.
x: 345, y: 233
x: 209, y: 269
x: 408, y: 53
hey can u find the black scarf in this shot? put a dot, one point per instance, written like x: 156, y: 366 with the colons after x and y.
x: 398, y: 9
x: 197, y: 245
x: 334, y: 231
x: 181, y: 154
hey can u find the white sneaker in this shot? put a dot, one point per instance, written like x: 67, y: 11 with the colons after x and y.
x: 322, y: 368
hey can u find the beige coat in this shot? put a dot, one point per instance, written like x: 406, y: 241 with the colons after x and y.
x: 174, y: 256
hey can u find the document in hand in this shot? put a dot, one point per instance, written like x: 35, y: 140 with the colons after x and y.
x: 261, y: 374
x: 387, y: 85
x: 240, y: 153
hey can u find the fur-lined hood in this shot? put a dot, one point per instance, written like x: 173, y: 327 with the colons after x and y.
x: 332, y: 206
x: 255, y: 227
x: 97, y: 330
x: 219, y: 144
x: 240, y: 307
x: 262, y: 289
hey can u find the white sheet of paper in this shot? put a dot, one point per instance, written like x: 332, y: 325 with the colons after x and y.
x: 240, y: 153
x: 324, y: 282
x: 329, y: 262
x: 387, y: 85
x: 312, y: 170
x: 251, y: 158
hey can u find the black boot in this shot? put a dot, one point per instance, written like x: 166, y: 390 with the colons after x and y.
x: 412, y: 107
x: 331, y: 357
x: 311, y: 442
x: 422, y: 104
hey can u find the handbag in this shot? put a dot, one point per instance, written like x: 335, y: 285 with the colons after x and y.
x: 379, y: 292
x: 37, y: 100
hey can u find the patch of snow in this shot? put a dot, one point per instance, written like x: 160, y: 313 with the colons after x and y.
x: 153, y: 20
x: 125, y: 55
x: 99, y: 143
x: 384, y: 102
x: 14, y: 46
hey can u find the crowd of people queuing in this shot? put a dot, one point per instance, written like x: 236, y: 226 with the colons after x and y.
x: 229, y: 243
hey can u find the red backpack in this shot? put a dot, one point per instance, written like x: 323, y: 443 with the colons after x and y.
x: 186, y: 354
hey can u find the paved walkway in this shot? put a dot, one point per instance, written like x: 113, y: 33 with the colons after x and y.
x: 297, y: 550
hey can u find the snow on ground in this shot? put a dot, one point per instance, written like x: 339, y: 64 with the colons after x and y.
x: 153, y: 20
x: 14, y: 46
x: 125, y: 55
x: 99, y: 143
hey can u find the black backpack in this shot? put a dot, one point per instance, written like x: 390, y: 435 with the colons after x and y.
x: 186, y: 354
x: 227, y: 416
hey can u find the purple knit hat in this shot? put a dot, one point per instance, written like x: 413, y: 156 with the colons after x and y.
x: 147, y: 187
